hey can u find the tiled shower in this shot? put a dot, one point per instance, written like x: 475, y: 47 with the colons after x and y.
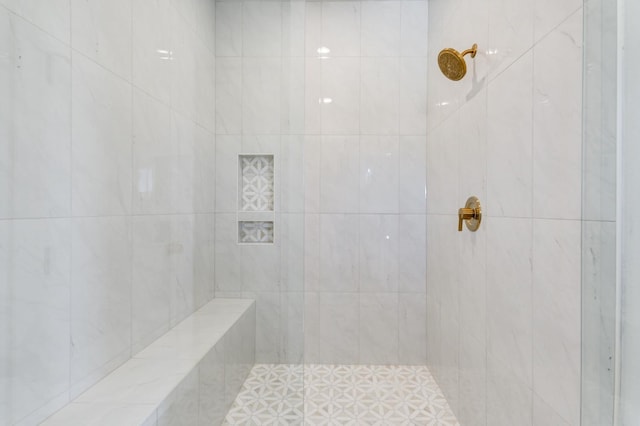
x: 309, y: 155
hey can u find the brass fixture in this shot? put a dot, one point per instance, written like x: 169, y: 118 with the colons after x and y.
x: 452, y: 63
x: 471, y: 214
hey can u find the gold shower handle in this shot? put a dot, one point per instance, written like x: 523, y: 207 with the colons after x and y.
x: 471, y: 214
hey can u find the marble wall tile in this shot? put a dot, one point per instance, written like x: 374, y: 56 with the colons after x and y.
x: 414, y: 28
x: 379, y: 174
x: 262, y: 28
x: 412, y: 328
x: 473, y: 379
x: 100, y: 298
x: 101, y: 136
x: 557, y: 316
x: 598, y: 316
x: 261, y: 266
x: 473, y: 149
x: 203, y: 259
x: 293, y: 29
x: 557, y: 131
x: 378, y: 330
x: 185, y: 82
x: 412, y: 174
x: 313, y: 30
x: 509, y: 290
x: 507, y: 41
x: 152, y: 155
x: 293, y: 98
x: 53, y: 17
x: 380, y: 32
x: 35, y: 124
x: 152, y: 141
x: 509, y: 399
x: 101, y: 30
x: 174, y: 161
x: 341, y: 27
x: 229, y: 28
x: 339, y: 269
x: 228, y: 95
x: 630, y: 390
x: 543, y: 414
x: 338, y: 311
x: 339, y: 177
x: 549, y: 14
x: 488, y: 136
x: 442, y: 185
x: 413, y: 96
x: 268, y: 311
x: 412, y: 253
x: 292, y: 237
x: 292, y: 168
x: 152, y: 279
x: 314, y: 94
x: 35, y: 256
x: 292, y: 320
x: 378, y: 252
x: 205, y: 20
x: 312, y: 173
x: 311, y: 252
x: 340, y: 94
x: 509, y: 140
x: 261, y: 95
x: 226, y: 183
x: 379, y: 95
x: 152, y: 47
x: 228, y: 255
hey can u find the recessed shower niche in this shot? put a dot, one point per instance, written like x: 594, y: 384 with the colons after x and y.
x: 256, y: 195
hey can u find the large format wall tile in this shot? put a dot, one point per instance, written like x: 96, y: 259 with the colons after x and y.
x: 53, y: 16
x: 93, y: 137
x: 509, y: 140
x: 101, y: 137
x: 152, y: 47
x: 101, y: 30
x: 557, y: 126
x: 35, y: 256
x: 35, y: 124
x: 557, y: 316
x: 379, y: 170
x: 100, y: 298
x: 509, y: 133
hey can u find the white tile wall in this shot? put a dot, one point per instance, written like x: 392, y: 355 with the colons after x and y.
x: 502, y: 303
x: 631, y: 320
x: 36, y: 122
x: 108, y: 115
x: 365, y: 181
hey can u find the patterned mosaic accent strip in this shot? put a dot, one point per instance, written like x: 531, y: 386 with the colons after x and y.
x: 257, y: 183
x: 337, y: 395
x: 255, y: 232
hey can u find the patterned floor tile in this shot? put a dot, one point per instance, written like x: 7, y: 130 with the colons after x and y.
x: 340, y: 395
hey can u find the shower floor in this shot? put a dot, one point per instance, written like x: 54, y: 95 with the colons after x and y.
x: 340, y: 395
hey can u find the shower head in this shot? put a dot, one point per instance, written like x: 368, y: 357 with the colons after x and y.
x: 452, y: 63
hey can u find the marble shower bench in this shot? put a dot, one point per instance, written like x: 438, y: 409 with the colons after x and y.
x: 189, y: 376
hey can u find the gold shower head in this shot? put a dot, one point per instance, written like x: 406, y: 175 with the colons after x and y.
x: 452, y: 63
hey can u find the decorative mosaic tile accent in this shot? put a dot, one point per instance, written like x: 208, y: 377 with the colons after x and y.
x: 340, y: 395
x: 255, y: 232
x: 257, y: 191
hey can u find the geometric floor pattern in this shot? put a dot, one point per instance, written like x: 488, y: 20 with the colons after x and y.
x: 352, y: 395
